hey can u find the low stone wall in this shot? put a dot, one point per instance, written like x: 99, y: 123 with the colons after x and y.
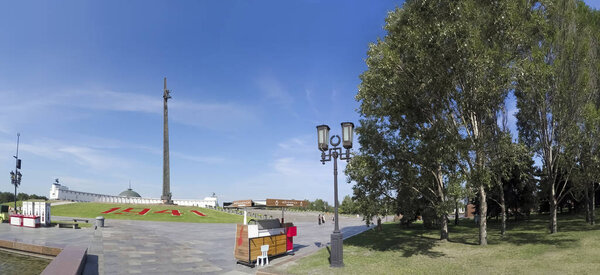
x: 38, y: 249
x: 67, y: 261
x: 70, y: 261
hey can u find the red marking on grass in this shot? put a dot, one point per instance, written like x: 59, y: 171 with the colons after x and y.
x: 197, y: 213
x: 143, y: 212
x: 174, y: 212
x: 111, y: 210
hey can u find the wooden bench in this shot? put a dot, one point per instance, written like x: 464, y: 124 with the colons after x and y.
x: 71, y: 260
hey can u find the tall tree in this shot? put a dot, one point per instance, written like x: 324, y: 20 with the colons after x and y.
x: 589, y: 22
x: 484, y: 39
x: 348, y: 206
x: 432, y: 89
x: 407, y: 145
x: 512, y: 168
x: 550, y: 96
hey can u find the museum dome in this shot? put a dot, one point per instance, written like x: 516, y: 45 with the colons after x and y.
x: 130, y: 193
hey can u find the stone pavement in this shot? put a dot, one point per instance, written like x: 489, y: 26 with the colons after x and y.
x: 144, y: 247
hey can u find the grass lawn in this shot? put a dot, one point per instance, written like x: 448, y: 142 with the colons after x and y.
x: 93, y: 210
x: 527, y: 248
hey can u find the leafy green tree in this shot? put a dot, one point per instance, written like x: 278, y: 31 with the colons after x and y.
x: 348, y: 206
x: 589, y: 163
x: 550, y: 94
x: 432, y: 89
x: 320, y: 205
x: 22, y: 197
x: 10, y: 197
x: 512, y: 167
x: 6, y: 197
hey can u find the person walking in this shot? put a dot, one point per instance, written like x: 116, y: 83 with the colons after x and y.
x: 323, y: 219
x: 319, y: 218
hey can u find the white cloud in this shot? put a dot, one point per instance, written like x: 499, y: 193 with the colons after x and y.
x: 297, y: 144
x: 273, y: 90
x: 113, y: 101
x: 295, y: 172
x: 90, y: 158
x: 203, y: 159
x: 217, y: 116
x: 222, y: 116
x: 94, y: 159
x: 311, y: 103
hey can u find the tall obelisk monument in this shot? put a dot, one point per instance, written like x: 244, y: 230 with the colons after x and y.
x: 166, y: 195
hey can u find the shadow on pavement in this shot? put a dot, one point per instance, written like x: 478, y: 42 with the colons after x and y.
x: 91, y: 265
x: 300, y: 246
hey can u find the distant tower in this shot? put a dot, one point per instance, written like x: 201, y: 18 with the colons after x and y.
x: 166, y: 195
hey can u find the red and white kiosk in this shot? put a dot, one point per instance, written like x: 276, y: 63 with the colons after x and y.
x: 31, y: 221
x: 16, y: 220
x: 35, y: 214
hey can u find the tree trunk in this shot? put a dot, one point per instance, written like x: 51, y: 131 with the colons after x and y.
x: 553, y: 209
x: 456, y: 214
x: 593, y: 205
x: 442, y: 197
x: 444, y: 227
x: 503, y: 213
x: 482, y: 216
x: 588, y: 203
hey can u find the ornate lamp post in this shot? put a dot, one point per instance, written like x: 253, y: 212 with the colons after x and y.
x: 15, y: 176
x: 337, y: 256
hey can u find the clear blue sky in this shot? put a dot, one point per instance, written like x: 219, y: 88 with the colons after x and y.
x: 82, y: 82
x: 250, y: 80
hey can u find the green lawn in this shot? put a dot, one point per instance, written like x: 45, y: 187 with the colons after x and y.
x: 526, y: 249
x: 92, y: 210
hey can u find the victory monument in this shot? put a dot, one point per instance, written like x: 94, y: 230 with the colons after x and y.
x: 166, y: 195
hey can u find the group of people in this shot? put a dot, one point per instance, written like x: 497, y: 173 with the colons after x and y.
x: 321, y: 219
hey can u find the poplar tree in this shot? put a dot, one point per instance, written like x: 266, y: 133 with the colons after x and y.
x: 550, y: 95
x: 429, y: 97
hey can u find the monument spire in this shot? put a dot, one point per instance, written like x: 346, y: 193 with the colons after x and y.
x: 166, y: 195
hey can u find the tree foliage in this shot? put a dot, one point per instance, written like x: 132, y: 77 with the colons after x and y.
x: 10, y: 197
x: 348, y: 206
x: 431, y: 97
x: 552, y: 90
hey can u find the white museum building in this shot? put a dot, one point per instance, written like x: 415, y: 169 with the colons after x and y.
x: 61, y: 192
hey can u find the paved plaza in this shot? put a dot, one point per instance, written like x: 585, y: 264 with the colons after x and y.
x: 144, y: 247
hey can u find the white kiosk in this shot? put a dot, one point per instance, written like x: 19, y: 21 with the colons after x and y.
x: 38, y: 211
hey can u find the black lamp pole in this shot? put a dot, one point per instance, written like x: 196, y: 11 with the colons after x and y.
x: 15, y: 176
x: 337, y: 251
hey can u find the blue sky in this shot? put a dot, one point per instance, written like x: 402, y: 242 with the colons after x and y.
x: 250, y: 80
x: 82, y: 82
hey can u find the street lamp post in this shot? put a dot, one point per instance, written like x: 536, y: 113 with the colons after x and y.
x: 15, y: 176
x: 337, y: 252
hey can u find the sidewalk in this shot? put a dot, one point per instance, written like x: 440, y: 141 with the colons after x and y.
x: 145, y: 247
